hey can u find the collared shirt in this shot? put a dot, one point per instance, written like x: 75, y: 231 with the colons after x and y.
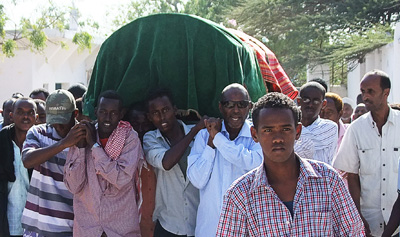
x: 104, y: 189
x: 176, y: 198
x: 375, y: 158
x: 342, y: 131
x: 304, y: 146
x: 17, y: 192
x: 48, y: 210
x: 324, y: 134
x: 322, y: 206
x: 214, y: 170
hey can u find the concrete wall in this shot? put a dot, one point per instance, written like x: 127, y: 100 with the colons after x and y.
x: 387, y: 59
x: 27, y: 71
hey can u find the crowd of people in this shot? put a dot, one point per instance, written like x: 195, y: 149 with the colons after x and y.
x: 321, y: 165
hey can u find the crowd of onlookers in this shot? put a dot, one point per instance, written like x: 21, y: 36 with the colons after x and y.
x: 321, y: 165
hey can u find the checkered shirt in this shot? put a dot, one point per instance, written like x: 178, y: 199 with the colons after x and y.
x: 322, y: 206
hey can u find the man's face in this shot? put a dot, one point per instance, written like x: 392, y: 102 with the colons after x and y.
x: 39, y: 96
x: 24, y: 115
x: 162, y: 114
x: 276, y: 132
x: 347, y: 111
x: 311, y: 103
x: 41, y: 112
x: 330, y: 112
x: 63, y: 129
x: 7, y: 109
x: 360, y: 110
x: 374, y: 97
x: 139, y: 122
x: 234, y: 108
x: 109, y: 113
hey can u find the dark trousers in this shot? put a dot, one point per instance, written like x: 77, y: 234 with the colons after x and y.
x: 159, y: 231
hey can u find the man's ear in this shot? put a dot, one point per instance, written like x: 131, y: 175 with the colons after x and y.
x: 386, y: 91
x: 254, y: 133
x: 122, y: 114
x: 11, y: 116
x: 298, y: 130
x: 76, y: 112
x: 324, y: 102
x: 220, y: 107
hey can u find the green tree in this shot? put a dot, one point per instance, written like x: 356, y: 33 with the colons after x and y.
x: 309, y: 32
x: 53, y: 17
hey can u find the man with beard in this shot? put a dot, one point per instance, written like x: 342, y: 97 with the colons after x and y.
x: 369, y: 154
x: 222, y: 152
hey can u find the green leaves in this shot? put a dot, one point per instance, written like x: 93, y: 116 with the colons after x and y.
x: 83, y: 40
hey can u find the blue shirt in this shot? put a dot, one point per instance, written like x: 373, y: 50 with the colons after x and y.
x: 17, y: 192
x: 212, y: 171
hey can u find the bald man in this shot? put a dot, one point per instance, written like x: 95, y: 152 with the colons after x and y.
x: 222, y: 152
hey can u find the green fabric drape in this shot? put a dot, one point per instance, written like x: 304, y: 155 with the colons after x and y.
x: 193, y: 57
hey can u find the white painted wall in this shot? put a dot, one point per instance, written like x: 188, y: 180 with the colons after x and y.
x: 27, y: 71
x: 387, y: 59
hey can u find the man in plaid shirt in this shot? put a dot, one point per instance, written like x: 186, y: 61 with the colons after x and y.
x: 286, y: 195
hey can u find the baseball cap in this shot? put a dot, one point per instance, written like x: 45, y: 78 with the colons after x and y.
x: 59, y: 107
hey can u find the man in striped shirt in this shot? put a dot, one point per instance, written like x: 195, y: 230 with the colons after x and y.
x: 322, y: 132
x: 48, y: 210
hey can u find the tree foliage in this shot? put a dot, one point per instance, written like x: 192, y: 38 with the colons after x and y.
x: 52, y: 17
x: 310, y: 32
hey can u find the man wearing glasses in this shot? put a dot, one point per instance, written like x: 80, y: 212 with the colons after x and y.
x: 322, y: 132
x: 222, y: 152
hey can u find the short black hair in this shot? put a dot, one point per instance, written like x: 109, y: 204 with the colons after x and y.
x: 77, y: 90
x: 322, y: 82
x: 275, y: 100
x: 158, y: 93
x: 385, y: 81
x: 23, y: 99
x: 38, y: 91
x: 9, y: 100
x: 110, y: 94
x: 313, y: 84
x: 17, y: 95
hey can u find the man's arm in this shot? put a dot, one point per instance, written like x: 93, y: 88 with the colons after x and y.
x: 75, y: 170
x: 355, y: 192
x: 200, y: 161
x: 34, y: 157
x: 175, y: 153
x: 233, y: 221
x: 346, y: 216
x: 119, y: 172
x: 394, y: 220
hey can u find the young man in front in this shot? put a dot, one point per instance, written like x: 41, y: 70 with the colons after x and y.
x: 101, y: 173
x: 14, y: 177
x: 286, y: 195
x: 48, y: 210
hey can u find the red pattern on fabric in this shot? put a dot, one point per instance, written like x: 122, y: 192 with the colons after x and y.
x: 271, y: 70
x: 114, y: 148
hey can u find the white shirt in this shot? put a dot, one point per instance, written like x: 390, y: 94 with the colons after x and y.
x: 212, y: 171
x: 375, y: 158
x: 324, y: 134
x: 176, y: 198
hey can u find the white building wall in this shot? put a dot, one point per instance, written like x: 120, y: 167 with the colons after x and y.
x: 387, y: 59
x: 27, y: 71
